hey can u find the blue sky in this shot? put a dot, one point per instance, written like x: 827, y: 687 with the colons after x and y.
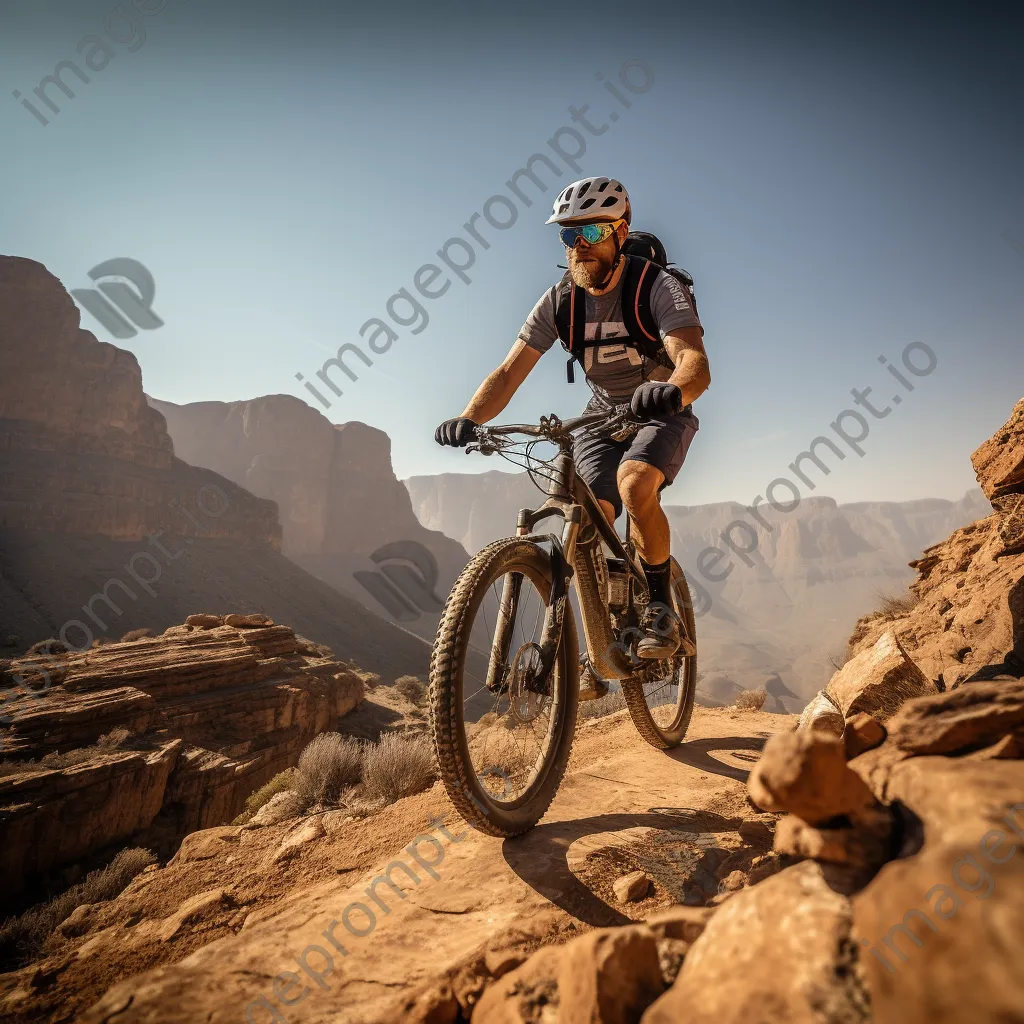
x: 837, y: 181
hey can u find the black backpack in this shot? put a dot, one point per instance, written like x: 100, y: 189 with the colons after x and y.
x: 645, y: 255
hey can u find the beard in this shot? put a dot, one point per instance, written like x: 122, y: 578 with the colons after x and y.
x: 589, y: 275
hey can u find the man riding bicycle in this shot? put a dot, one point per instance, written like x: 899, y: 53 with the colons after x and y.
x: 660, y: 383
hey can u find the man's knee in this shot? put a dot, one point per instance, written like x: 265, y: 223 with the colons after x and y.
x: 638, y: 485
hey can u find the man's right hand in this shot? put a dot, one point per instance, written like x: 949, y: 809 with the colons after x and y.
x: 457, y: 432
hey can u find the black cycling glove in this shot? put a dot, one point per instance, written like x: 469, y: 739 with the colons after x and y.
x: 457, y: 432
x: 656, y: 398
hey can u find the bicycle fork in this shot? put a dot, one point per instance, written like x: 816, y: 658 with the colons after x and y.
x: 562, y: 553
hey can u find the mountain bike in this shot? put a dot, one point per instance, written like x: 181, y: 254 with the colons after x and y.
x: 506, y: 677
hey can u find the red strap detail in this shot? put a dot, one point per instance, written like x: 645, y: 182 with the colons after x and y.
x: 636, y: 302
x: 572, y: 316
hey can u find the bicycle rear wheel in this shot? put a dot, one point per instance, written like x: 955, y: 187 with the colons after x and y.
x: 502, y: 754
x: 659, y: 694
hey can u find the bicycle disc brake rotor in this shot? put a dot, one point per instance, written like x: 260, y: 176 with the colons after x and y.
x: 527, y: 665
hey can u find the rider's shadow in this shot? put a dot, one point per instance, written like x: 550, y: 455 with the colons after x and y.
x: 697, y: 754
x: 541, y: 857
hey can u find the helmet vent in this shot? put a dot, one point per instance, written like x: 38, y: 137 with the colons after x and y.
x: 602, y: 186
x: 610, y: 201
x: 583, y: 188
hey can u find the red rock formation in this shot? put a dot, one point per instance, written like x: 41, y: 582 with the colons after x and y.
x: 337, y: 493
x: 999, y: 462
x: 216, y: 712
x: 80, y: 449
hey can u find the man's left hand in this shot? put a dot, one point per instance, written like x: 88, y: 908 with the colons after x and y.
x: 656, y: 398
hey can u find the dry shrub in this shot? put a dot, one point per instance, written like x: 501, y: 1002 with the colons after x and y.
x: 750, y: 700
x: 280, y: 783
x: 412, y: 688
x: 398, y: 766
x: 329, y: 763
x: 22, y: 937
x: 894, y: 606
x: 114, y: 739
x: 606, y: 705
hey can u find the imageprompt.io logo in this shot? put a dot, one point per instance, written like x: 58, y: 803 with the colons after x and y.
x: 118, y: 308
x: 405, y: 584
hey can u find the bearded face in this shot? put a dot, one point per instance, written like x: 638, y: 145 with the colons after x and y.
x: 589, y: 265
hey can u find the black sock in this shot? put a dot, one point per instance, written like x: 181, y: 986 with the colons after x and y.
x: 658, y: 580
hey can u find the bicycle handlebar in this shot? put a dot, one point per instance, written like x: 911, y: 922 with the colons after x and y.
x: 552, y: 426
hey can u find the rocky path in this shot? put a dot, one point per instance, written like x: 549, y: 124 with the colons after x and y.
x: 289, y: 924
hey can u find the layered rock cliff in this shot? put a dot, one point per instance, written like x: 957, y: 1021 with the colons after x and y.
x: 80, y: 450
x: 339, y: 500
x: 206, y: 714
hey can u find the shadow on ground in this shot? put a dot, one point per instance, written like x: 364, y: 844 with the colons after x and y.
x: 540, y: 858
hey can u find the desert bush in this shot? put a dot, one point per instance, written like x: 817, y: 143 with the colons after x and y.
x: 412, y: 688
x: 114, y: 739
x: 22, y: 937
x: 606, y: 705
x: 894, y: 606
x: 328, y: 764
x: 750, y: 700
x: 398, y: 766
x: 280, y: 783
x: 117, y: 739
x: 17, y: 767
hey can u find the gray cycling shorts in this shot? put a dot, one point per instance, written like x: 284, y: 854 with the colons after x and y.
x: 662, y: 443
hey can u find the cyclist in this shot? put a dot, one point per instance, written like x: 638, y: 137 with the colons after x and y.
x: 594, y: 216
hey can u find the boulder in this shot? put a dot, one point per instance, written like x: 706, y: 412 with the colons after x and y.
x: 775, y: 952
x: 864, y: 846
x: 203, y: 621
x: 632, y: 887
x: 191, y: 910
x: 610, y: 974
x: 251, y: 621
x: 822, y: 715
x: 806, y: 774
x: 939, y: 928
x: 862, y: 732
x: 972, y: 716
x: 877, y: 680
x: 999, y: 462
x: 524, y: 993
x: 306, y: 832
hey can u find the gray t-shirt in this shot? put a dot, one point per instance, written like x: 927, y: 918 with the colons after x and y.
x: 615, y: 371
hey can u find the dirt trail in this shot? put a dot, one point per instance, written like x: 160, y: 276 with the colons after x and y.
x: 623, y: 805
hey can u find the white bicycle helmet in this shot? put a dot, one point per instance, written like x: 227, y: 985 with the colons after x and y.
x: 591, y: 201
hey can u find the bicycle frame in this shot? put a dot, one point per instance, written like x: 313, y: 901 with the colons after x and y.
x: 571, y: 499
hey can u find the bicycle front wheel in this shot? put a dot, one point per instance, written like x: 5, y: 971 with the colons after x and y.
x: 502, y: 752
x: 659, y: 694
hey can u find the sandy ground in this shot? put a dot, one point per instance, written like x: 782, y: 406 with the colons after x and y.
x: 263, y: 950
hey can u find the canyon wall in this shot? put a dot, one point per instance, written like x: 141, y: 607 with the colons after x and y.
x: 339, y: 500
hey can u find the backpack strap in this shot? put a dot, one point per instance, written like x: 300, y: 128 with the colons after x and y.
x: 570, y: 302
x: 638, y: 280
